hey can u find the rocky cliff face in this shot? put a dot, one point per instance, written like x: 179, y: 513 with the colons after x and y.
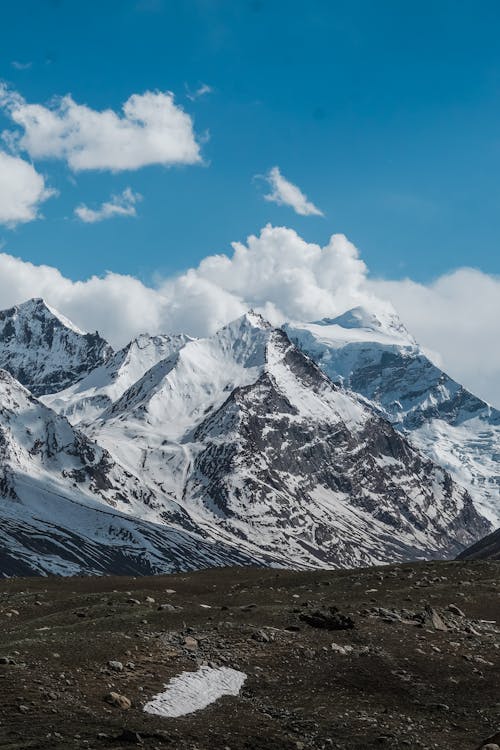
x: 378, y: 359
x: 44, y: 351
x: 85, y: 400
x: 67, y: 507
x: 263, y: 450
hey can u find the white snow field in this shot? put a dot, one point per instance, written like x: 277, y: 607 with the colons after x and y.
x: 193, y: 691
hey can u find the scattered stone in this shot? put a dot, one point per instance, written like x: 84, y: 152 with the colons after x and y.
x: 261, y: 636
x: 116, y: 666
x: 455, y: 610
x: 330, y: 619
x: 435, y: 619
x: 190, y: 643
x: 118, y: 701
x: 344, y: 650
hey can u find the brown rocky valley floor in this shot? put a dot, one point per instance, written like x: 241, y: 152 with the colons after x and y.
x: 413, y: 672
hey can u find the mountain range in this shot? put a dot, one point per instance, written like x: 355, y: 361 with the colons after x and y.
x: 331, y: 444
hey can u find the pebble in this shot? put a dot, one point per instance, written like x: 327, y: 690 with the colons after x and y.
x: 190, y: 643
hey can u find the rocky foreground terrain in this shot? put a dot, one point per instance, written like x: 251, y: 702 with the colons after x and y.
x: 406, y: 656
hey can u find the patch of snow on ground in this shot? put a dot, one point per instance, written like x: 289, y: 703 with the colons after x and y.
x: 192, y: 691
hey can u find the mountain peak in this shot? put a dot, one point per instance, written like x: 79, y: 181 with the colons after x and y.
x: 38, y: 306
x: 44, y: 350
x: 382, y: 321
x: 256, y: 320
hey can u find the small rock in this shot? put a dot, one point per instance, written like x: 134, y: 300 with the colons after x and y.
x: 344, y: 650
x: 127, y: 735
x: 118, y: 701
x: 116, y: 666
x: 261, y: 636
x: 328, y: 620
x: 149, y: 600
x: 435, y: 619
x: 455, y: 610
x: 190, y: 643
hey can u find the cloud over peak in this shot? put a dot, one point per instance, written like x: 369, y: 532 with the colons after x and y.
x: 282, y: 276
x: 285, y: 193
x: 150, y: 129
x: 118, y: 205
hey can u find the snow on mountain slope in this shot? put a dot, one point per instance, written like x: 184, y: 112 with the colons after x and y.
x: 377, y: 358
x: 86, y: 399
x: 263, y: 451
x: 67, y: 507
x: 44, y: 350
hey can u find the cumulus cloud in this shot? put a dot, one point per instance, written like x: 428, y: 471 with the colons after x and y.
x: 457, y: 317
x: 119, y: 205
x: 285, y: 193
x: 22, y: 190
x: 150, y: 129
x: 276, y: 272
x: 283, y: 277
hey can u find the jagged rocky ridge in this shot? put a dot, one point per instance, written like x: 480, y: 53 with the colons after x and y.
x: 44, y: 350
x: 240, y: 446
x: 67, y: 507
x: 375, y: 356
x: 86, y: 399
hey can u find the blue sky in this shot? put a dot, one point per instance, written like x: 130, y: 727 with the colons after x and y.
x: 385, y: 114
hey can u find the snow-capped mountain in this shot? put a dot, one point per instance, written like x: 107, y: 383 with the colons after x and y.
x: 375, y: 356
x: 44, y: 350
x: 67, y: 507
x: 86, y: 399
x: 262, y: 450
x: 192, y: 452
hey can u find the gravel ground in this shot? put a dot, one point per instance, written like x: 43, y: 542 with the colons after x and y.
x: 396, y: 657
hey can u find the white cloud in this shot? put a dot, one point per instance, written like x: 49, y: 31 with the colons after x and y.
x: 20, y: 65
x: 22, y: 190
x: 119, y: 205
x: 276, y: 272
x: 202, y: 90
x: 282, y: 276
x: 458, y: 317
x: 285, y: 193
x: 151, y: 129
